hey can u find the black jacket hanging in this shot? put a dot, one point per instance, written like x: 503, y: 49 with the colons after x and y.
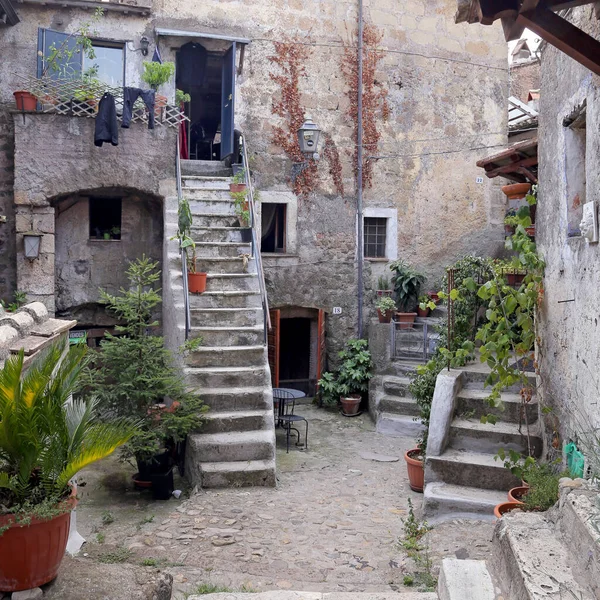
x: 107, y: 129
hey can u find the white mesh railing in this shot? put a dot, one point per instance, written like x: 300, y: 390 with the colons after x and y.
x: 79, y: 98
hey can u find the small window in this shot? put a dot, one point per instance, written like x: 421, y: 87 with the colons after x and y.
x: 108, y: 65
x: 375, y: 237
x: 273, y: 222
x: 575, y: 146
x: 105, y: 218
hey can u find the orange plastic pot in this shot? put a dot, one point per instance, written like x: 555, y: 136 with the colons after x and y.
x: 406, y: 320
x: 25, y: 100
x: 504, y: 507
x: 196, y: 283
x: 416, y: 469
x: 517, y: 493
x: 516, y: 191
x: 30, y: 555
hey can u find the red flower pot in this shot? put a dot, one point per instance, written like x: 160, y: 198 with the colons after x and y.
x: 196, y: 283
x: 234, y: 188
x: 406, y: 320
x: 350, y: 404
x: 504, y: 507
x: 423, y: 312
x: 385, y: 317
x: 30, y: 555
x: 388, y: 293
x: 416, y: 469
x: 516, y: 494
x: 25, y: 100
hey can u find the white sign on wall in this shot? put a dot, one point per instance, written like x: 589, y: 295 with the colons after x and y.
x: 337, y: 310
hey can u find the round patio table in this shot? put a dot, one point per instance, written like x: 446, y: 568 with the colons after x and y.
x: 289, y: 395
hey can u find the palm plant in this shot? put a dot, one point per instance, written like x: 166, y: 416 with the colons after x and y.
x: 47, y: 436
x: 407, y: 283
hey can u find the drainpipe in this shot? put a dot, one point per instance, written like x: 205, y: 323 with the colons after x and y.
x: 359, y: 175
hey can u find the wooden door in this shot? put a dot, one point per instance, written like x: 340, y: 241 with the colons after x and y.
x: 273, y: 340
x: 321, y: 346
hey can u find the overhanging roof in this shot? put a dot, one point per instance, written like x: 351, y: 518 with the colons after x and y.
x: 199, y: 34
x: 517, y: 163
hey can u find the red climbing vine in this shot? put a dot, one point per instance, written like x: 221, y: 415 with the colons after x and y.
x: 375, y: 103
x: 291, y: 57
x: 332, y: 156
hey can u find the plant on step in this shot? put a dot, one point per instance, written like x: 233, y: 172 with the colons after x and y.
x: 20, y: 298
x: 239, y: 177
x: 383, y: 283
x: 183, y: 235
x: 156, y: 74
x: 385, y: 304
x: 181, y: 96
x: 241, y: 207
x: 407, y: 283
x: 134, y: 375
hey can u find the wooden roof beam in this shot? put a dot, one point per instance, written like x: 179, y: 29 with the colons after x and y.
x: 563, y: 35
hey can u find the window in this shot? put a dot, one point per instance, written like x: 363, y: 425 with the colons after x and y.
x: 273, y: 221
x: 105, y: 218
x: 375, y: 237
x: 109, y: 63
x: 575, y: 143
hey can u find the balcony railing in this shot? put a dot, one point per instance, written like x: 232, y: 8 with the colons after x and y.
x: 79, y: 98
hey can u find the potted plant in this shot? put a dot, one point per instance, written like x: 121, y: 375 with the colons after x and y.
x: 181, y: 97
x: 385, y: 308
x: 351, y: 381
x: 134, y: 375
x: 422, y: 308
x: 156, y: 74
x: 242, y: 210
x: 510, y: 221
x: 407, y: 284
x: 383, y: 286
x: 516, y: 191
x: 46, y: 437
x: 238, y: 182
x: 25, y: 100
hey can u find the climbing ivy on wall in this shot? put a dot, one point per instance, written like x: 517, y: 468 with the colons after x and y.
x: 332, y: 156
x: 375, y: 103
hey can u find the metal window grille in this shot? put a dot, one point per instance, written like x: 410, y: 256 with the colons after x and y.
x: 375, y: 234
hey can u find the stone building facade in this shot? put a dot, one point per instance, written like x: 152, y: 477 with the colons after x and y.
x: 430, y: 125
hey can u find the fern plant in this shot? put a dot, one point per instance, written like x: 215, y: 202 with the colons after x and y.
x: 47, y: 436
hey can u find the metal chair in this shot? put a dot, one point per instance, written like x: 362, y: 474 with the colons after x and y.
x: 286, y: 417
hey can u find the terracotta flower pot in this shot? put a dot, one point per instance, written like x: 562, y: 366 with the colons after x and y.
x: 30, y: 555
x: 406, y: 320
x: 434, y: 297
x: 350, y: 404
x: 516, y: 191
x: 515, y: 279
x: 516, y: 494
x: 160, y: 102
x: 416, y: 469
x: 388, y: 293
x: 234, y: 188
x: 423, y: 312
x: 530, y: 231
x: 196, y: 283
x: 504, y: 507
x: 25, y: 100
x: 385, y: 317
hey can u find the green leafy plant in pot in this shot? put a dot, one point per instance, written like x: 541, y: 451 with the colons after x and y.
x: 134, y: 375
x: 384, y: 287
x: 155, y: 75
x: 351, y: 381
x: 407, y: 283
x: 386, y: 307
x: 242, y: 210
x: 46, y: 437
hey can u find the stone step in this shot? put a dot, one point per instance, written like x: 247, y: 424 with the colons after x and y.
x: 442, y: 501
x: 465, y: 580
x: 398, y: 406
x: 235, y: 398
x: 396, y: 386
x: 533, y: 562
x: 216, y: 234
x: 290, y: 595
x: 467, y: 468
x: 231, y: 281
x: 236, y: 474
x: 232, y: 446
x: 221, y: 317
x: 230, y: 336
x: 223, y: 377
x: 473, y: 435
x: 404, y: 367
x: 226, y: 356
x: 238, y: 420
x: 226, y: 299
x: 225, y: 264
x: 205, y: 168
x: 398, y: 425
x: 215, y: 205
x: 472, y: 400
x: 205, y: 182
x: 477, y: 375
x: 208, y: 219
x: 222, y: 249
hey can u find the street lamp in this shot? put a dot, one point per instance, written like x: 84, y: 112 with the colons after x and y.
x: 31, y: 242
x: 308, y: 139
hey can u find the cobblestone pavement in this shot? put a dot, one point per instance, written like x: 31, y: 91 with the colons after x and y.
x: 332, y: 524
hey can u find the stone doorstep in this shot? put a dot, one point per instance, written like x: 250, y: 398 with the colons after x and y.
x: 290, y: 595
x: 465, y: 580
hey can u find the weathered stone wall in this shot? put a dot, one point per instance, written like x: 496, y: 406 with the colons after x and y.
x: 569, y: 319
x: 7, y: 228
x: 523, y: 78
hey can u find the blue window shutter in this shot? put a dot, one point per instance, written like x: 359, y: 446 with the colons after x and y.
x: 71, y: 68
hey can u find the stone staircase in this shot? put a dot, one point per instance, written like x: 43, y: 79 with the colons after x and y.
x: 236, y: 446
x: 462, y: 478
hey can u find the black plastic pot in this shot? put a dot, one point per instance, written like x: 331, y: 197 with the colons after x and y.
x: 162, y: 485
x: 160, y: 463
x: 246, y: 234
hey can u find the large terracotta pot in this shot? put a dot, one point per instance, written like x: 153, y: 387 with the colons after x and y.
x: 25, y: 100
x: 416, y: 469
x: 504, y: 507
x: 406, y: 320
x: 423, y: 312
x: 234, y: 188
x: 350, y: 404
x: 516, y: 494
x: 30, y: 555
x: 196, y: 283
x: 516, y: 191
x: 385, y: 317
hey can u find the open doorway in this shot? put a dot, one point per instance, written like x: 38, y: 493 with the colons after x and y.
x: 208, y: 76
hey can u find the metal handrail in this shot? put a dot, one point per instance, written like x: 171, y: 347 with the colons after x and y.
x: 255, y: 246
x: 186, y: 296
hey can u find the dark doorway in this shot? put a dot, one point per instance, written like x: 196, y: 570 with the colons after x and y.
x: 273, y: 228
x: 294, y: 354
x: 209, y: 78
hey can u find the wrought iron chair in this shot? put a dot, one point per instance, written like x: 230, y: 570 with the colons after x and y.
x: 286, y: 417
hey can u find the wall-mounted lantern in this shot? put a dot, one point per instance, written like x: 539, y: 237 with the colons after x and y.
x: 31, y: 242
x: 308, y: 139
x: 144, y: 43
